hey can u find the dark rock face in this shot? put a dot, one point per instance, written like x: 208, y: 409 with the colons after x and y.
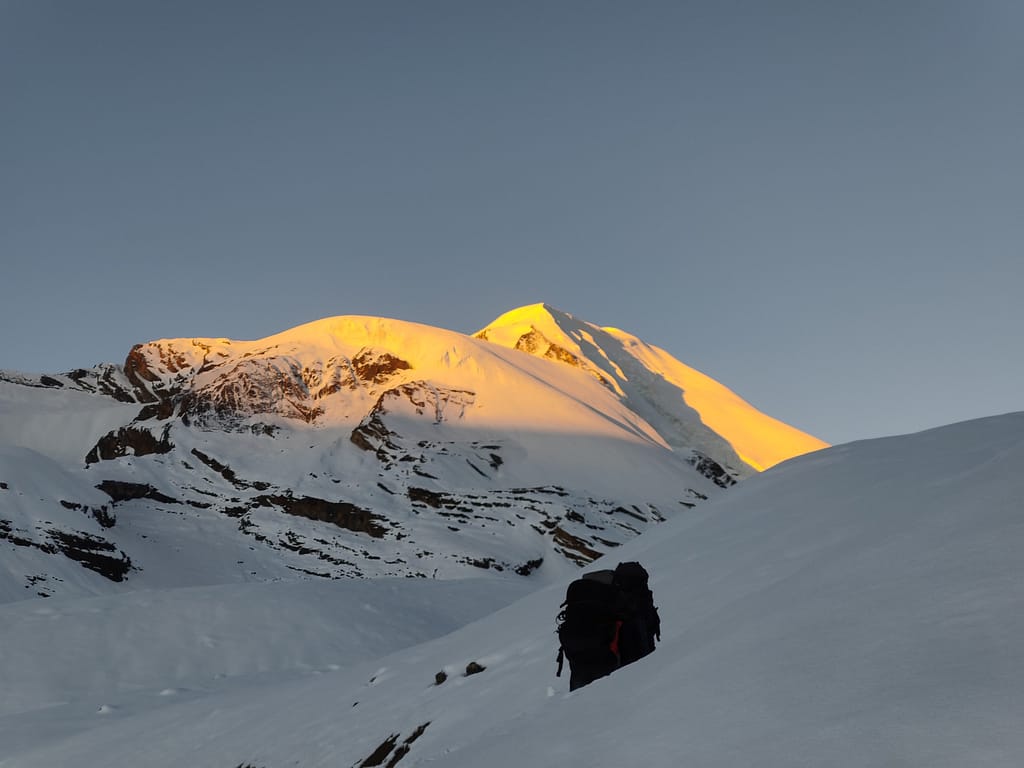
x: 250, y: 388
x: 534, y: 341
x: 101, y: 515
x: 332, y: 378
x: 103, y: 379
x: 120, y: 491
x: 243, y: 387
x: 278, y: 386
x: 90, y: 551
x: 377, y: 367
x: 93, y: 553
x: 436, y: 403
x: 573, y: 547
x: 160, y: 411
x: 372, y: 435
x: 430, y: 498
x: 126, y: 441
x: 712, y: 470
x: 529, y: 566
x: 140, y: 374
x: 8, y: 533
x: 340, y: 513
x: 391, y: 750
x: 222, y: 469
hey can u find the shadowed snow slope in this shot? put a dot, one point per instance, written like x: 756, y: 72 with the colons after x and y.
x: 860, y: 606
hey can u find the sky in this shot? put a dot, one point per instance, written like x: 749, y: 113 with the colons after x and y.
x: 818, y: 204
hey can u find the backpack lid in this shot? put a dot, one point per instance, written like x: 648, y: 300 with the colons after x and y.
x: 605, y: 577
x: 631, y: 576
x: 592, y: 592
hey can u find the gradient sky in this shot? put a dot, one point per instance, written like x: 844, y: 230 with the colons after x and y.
x: 818, y: 204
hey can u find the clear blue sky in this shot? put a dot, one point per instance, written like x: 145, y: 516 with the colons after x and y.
x: 819, y: 204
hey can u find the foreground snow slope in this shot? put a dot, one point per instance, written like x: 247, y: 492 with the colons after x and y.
x: 70, y: 650
x: 861, y: 606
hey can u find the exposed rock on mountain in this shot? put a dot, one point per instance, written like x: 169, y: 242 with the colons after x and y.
x: 129, y: 441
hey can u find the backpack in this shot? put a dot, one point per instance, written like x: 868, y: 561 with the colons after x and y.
x: 608, y: 620
x: 588, y: 628
x: 641, y: 623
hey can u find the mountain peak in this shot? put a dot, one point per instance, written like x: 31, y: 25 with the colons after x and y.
x: 692, y: 409
x: 512, y: 325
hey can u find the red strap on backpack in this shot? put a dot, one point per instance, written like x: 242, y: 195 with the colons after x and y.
x: 614, y: 645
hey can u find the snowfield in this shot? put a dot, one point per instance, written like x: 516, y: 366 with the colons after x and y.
x: 858, y: 606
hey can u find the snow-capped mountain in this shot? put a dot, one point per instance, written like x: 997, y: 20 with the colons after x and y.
x: 692, y: 412
x: 856, y: 607
x: 361, y: 446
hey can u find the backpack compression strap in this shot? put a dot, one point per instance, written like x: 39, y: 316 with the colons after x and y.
x: 561, y: 659
x: 614, y: 644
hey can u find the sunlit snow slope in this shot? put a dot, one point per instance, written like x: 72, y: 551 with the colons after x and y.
x: 861, y: 606
x: 689, y: 408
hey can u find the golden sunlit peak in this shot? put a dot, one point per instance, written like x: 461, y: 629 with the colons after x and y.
x: 507, y: 329
x: 758, y: 440
x: 528, y: 314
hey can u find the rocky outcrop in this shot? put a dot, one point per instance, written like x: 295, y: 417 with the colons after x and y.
x: 417, y: 398
x: 535, y: 343
x: 105, y: 380
x: 119, y: 491
x: 250, y: 388
x: 391, y: 751
x: 373, y: 367
x: 255, y: 384
x: 141, y: 375
x: 373, y: 435
x: 340, y: 513
x: 129, y: 441
x: 712, y: 470
x: 92, y: 552
x: 101, y: 515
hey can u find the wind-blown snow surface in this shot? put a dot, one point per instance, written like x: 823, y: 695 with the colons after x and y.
x: 860, y: 606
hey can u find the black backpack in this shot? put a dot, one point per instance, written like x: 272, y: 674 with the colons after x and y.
x: 588, y: 628
x: 605, y: 622
x: 641, y: 623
